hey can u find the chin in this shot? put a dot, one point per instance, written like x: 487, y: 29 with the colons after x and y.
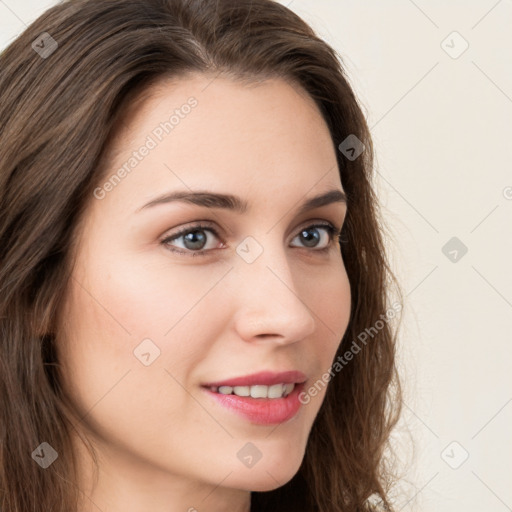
x: 268, y: 483
x: 266, y: 477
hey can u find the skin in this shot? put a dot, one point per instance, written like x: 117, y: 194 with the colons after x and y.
x: 163, y: 444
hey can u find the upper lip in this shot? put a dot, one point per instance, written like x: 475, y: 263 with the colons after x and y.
x: 266, y: 378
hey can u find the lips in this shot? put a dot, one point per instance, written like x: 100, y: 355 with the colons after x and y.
x: 265, y: 378
x: 260, y: 411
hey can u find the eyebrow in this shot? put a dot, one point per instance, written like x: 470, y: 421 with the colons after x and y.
x: 237, y: 204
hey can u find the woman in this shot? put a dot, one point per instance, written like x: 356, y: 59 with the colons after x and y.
x: 136, y: 135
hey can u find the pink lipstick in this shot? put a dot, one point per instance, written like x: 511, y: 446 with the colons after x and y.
x: 264, y: 398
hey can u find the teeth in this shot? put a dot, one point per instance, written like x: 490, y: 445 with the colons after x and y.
x: 275, y: 391
x: 242, y: 390
x: 257, y: 391
x: 288, y: 388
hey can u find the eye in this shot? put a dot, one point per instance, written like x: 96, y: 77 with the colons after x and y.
x: 312, y: 237
x: 195, y: 240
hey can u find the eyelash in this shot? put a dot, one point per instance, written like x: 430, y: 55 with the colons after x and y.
x: 334, y: 234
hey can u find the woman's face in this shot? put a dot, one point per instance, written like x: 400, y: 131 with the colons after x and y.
x: 145, y: 328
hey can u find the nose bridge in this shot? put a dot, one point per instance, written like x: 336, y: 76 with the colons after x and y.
x: 269, y: 303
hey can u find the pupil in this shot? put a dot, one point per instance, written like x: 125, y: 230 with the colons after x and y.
x: 310, y: 241
x: 196, y: 238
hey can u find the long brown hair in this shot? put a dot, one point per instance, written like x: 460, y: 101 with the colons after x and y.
x: 61, y: 100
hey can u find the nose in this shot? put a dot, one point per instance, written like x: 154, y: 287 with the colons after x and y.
x: 269, y: 305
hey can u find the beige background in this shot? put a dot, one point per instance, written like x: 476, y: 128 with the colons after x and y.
x: 441, y: 119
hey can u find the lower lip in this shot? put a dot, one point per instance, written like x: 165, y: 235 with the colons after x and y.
x: 263, y: 411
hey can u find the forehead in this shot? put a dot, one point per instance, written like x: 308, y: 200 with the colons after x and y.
x: 221, y: 105
x: 206, y: 132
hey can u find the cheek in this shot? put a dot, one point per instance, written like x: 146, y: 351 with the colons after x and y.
x: 330, y: 303
x: 331, y: 307
x: 151, y: 297
x: 107, y: 316
x: 114, y: 320
x: 126, y: 299
x: 120, y: 308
